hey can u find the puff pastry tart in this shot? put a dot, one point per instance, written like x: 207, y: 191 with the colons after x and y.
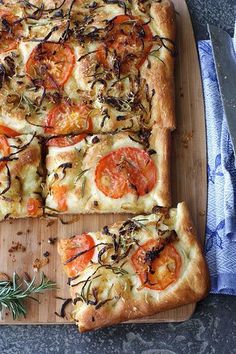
x: 20, y: 181
x: 133, y: 269
x: 123, y: 172
x: 77, y: 66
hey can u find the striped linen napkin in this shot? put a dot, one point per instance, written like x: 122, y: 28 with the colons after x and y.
x: 220, y: 243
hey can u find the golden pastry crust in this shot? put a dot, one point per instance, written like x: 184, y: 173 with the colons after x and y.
x: 20, y: 177
x: 80, y: 181
x: 160, y: 76
x: 128, y: 297
x: 115, y: 100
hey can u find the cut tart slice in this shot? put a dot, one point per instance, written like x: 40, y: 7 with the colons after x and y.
x: 137, y: 268
x: 123, y: 172
x: 85, y: 66
x: 20, y: 177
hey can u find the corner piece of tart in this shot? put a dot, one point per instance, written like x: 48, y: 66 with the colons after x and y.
x: 136, y: 268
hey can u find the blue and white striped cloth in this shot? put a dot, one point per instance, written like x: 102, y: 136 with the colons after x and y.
x: 220, y: 244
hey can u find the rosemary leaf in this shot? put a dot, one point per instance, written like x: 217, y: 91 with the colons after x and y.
x: 14, y: 293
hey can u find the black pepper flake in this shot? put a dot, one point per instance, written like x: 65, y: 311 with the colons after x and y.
x: 119, y: 118
x: 95, y: 140
x: 95, y: 203
x: 58, y: 13
x: 106, y: 230
x: 93, y: 319
x: 46, y: 254
x: 151, y: 152
x: 93, y: 5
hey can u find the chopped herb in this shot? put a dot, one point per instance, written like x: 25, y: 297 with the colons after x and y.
x: 82, y: 173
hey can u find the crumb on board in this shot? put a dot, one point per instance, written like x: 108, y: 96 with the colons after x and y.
x: 4, y: 277
x: 50, y: 223
x: 73, y: 220
x: 202, y: 213
x: 52, y: 240
x: 16, y: 247
x: 39, y: 263
x: 185, y: 138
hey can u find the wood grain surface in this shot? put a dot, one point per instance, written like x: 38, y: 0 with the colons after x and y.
x: 189, y: 183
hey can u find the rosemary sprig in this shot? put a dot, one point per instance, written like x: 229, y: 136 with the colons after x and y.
x: 14, y: 292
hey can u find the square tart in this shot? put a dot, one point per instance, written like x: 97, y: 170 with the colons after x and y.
x: 113, y: 173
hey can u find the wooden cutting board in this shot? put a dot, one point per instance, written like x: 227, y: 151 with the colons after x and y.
x: 189, y: 183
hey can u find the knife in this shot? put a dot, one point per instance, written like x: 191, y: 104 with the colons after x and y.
x: 225, y: 63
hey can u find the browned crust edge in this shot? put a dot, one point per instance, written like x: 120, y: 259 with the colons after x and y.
x: 161, y: 140
x: 193, y: 285
x: 160, y: 77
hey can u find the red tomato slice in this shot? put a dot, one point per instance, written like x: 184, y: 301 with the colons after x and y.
x: 129, y: 40
x: 4, y: 150
x: 81, y: 243
x: 52, y: 63
x: 9, y: 38
x: 126, y: 170
x: 60, y: 194
x: 64, y: 141
x: 8, y: 131
x: 33, y: 207
x: 66, y: 119
x: 162, y: 270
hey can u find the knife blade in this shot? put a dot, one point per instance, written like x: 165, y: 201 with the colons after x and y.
x: 225, y: 63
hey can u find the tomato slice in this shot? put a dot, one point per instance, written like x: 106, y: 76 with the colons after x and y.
x: 52, y: 63
x: 81, y: 243
x: 157, y: 273
x: 126, y: 170
x: 8, y: 131
x: 64, y: 141
x: 10, y: 33
x: 66, y: 119
x: 4, y: 150
x: 129, y: 41
x: 33, y: 206
x: 60, y: 194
